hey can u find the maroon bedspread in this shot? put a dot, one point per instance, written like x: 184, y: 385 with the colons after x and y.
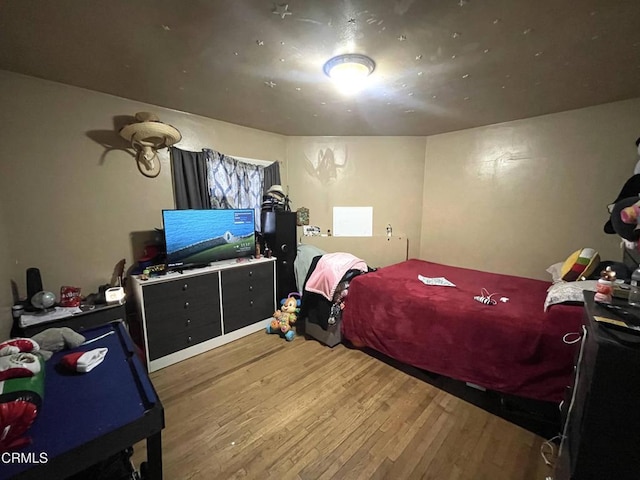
x: 513, y: 347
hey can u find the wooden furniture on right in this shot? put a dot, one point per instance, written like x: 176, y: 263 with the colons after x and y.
x: 601, y: 435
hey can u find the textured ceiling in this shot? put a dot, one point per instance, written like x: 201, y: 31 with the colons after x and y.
x: 441, y: 65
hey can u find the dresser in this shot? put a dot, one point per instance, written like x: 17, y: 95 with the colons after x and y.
x: 182, y: 314
x: 601, y: 413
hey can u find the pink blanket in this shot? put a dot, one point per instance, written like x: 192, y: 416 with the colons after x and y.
x: 329, y: 270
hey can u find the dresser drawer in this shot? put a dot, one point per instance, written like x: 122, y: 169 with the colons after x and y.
x: 247, y: 310
x: 162, y: 345
x: 190, y: 289
x: 193, y: 300
x: 248, y: 275
x: 186, y: 312
x: 247, y: 296
x: 177, y: 324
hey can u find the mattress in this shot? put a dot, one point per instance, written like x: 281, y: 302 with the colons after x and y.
x: 513, y: 346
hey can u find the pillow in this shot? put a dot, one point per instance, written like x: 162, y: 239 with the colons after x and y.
x: 555, y: 271
x: 563, y: 292
x: 580, y: 263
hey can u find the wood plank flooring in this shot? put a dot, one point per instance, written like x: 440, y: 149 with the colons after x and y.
x: 264, y: 408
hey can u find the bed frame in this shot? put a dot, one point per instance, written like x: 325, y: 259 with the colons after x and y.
x: 523, y: 383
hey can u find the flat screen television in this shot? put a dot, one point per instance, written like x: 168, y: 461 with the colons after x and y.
x: 200, y: 237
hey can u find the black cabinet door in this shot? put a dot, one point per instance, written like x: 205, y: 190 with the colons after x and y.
x: 181, y: 313
x: 603, y: 422
x: 247, y: 295
x: 283, y: 243
x: 160, y: 346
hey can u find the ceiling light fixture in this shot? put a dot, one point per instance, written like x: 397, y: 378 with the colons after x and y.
x: 147, y: 136
x: 349, y: 71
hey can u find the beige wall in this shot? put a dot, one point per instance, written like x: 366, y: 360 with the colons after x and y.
x: 377, y: 251
x: 519, y: 196
x: 70, y: 204
x: 385, y: 173
x: 6, y: 298
x: 510, y: 198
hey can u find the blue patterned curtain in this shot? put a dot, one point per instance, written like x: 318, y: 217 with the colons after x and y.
x: 234, y: 184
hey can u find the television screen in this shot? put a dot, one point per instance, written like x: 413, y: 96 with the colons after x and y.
x: 199, y: 237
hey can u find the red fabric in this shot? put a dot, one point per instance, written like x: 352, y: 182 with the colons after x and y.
x: 16, y: 417
x: 512, y: 347
x: 15, y: 372
x: 70, y: 360
x: 17, y: 345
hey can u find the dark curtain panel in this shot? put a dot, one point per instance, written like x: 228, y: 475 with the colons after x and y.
x: 190, y: 179
x: 271, y: 176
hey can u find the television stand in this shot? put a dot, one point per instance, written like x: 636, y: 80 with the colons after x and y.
x: 185, y: 313
x: 190, y: 266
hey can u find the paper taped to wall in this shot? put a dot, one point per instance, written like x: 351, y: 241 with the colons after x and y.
x: 352, y: 221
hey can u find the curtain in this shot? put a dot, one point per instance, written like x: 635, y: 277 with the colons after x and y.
x: 271, y: 176
x: 234, y: 184
x: 190, y: 186
x: 210, y: 179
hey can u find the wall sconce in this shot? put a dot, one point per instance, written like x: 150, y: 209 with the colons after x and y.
x: 147, y: 136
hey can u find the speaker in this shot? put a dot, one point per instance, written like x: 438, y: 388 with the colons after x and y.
x: 268, y: 222
x: 283, y: 245
x: 34, y: 283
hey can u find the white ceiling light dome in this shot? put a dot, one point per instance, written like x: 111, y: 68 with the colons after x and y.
x: 350, y: 70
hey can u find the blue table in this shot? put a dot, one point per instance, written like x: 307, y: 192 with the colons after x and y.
x: 86, y: 418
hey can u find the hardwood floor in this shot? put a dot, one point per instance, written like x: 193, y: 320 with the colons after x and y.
x: 261, y: 408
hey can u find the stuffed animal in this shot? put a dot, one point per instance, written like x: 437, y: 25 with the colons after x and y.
x: 285, y: 317
x: 631, y: 214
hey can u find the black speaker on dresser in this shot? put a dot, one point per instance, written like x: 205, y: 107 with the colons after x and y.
x: 280, y: 235
x: 34, y: 283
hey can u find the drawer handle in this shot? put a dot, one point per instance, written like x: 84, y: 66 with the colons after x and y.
x: 251, y: 273
x: 251, y: 303
x: 185, y: 286
x: 186, y: 304
x: 251, y: 288
x: 188, y: 321
x: 189, y: 339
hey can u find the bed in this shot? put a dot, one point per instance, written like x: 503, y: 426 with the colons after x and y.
x: 513, y: 347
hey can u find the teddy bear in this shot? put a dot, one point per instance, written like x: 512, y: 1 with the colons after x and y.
x: 284, y: 318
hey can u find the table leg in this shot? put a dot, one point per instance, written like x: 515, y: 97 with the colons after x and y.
x: 154, y: 457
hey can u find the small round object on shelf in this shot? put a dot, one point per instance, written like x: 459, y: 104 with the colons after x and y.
x: 43, y: 300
